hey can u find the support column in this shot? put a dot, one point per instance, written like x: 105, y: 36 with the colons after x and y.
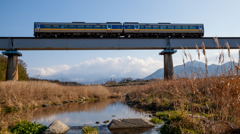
x: 12, y: 66
x: 168, y: 63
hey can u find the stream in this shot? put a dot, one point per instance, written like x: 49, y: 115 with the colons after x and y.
x: 76, y: 115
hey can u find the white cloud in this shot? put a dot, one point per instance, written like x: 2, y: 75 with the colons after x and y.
x: 99, y: 67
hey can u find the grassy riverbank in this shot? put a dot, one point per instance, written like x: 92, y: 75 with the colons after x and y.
x: 27, y: 94
x: 215, y: 98
x: 190, y: 105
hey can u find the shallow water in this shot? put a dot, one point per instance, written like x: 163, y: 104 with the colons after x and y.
x: 77, y: 115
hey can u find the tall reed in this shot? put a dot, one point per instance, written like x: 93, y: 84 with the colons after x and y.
x: 33, y: 93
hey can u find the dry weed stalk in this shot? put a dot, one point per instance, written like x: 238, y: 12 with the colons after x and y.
x: 198, y: 52
x: 217, y: 42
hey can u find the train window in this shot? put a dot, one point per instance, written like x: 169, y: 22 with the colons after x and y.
x: 103, y: 26
x: 116, y: 27
x: 129, y: 27
x: 178, y: 27
x: 64, y: 26
x: 141, y: 27
x: 170, y: 27
x: 148, y: 27
x: 163, y: 27
x: 109, y: 27
x: 136, y: 27
x: 155, y: 27
x: 80, y: 26
x: 89, y: 27
x: 193, y: 27
x: 72, y: 26
x: 97, y: 27
x: 184, y: 27
x: 47, y: 26
x: 55, y: 26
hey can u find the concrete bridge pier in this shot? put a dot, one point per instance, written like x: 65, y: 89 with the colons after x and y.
x: 168, y: 63
x: 12, y: 66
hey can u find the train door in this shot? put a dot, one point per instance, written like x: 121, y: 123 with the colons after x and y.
x: 38, y: 27
x: 200, y: 29
x: 136, y: 27
x: 109, y: 28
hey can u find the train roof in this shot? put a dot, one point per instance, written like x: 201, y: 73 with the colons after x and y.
x: 77, y: 23
x: 163, y: 23
x: 115, y: 23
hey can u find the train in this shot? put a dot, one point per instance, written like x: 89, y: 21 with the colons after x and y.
x: 117, y: 30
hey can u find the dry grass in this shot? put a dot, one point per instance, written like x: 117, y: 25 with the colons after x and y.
x: 34, y: 93
x: 217, y: 98
x: 20, y: 94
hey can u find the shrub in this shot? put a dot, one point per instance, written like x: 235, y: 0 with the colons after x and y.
x: 156, y: 120
x: 89, y: 130
x: 178, y: 123
x: 27, y: 127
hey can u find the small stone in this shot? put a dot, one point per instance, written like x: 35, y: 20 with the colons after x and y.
x: 56, y: 127
x: 82, y: 98
x: 97, y: 122
x: 129, y: 103
x: 58, y: 104
x: 113, y: 116
x: 106, y: 121
x: 71, y: 101
x: 45, y: 105
x: 65, y: 102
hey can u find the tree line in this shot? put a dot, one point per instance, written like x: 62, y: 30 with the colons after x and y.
x: 22, y: 69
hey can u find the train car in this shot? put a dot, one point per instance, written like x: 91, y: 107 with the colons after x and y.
x: 77, y: 29
x: 135, y: 29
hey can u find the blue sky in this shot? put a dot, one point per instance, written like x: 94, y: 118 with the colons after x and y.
x: 220, y: 18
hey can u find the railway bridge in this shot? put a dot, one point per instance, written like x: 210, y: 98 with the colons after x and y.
x: 11, y: 45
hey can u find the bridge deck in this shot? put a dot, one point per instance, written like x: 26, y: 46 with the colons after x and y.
x: 31, y: 43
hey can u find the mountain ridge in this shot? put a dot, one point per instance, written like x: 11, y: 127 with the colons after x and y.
x: 179, y: 69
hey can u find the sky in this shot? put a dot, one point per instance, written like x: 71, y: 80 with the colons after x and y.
x: 220, y: 18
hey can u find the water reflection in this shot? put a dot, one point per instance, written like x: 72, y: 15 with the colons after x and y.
x: 77, y: 114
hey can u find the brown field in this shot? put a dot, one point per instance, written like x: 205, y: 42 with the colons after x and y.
x: 34, y: 93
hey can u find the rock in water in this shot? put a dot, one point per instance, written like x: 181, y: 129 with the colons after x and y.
x: 56, y: 127
x: 45, y: 105
x: 106, y: 121
x: 130, y: 123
